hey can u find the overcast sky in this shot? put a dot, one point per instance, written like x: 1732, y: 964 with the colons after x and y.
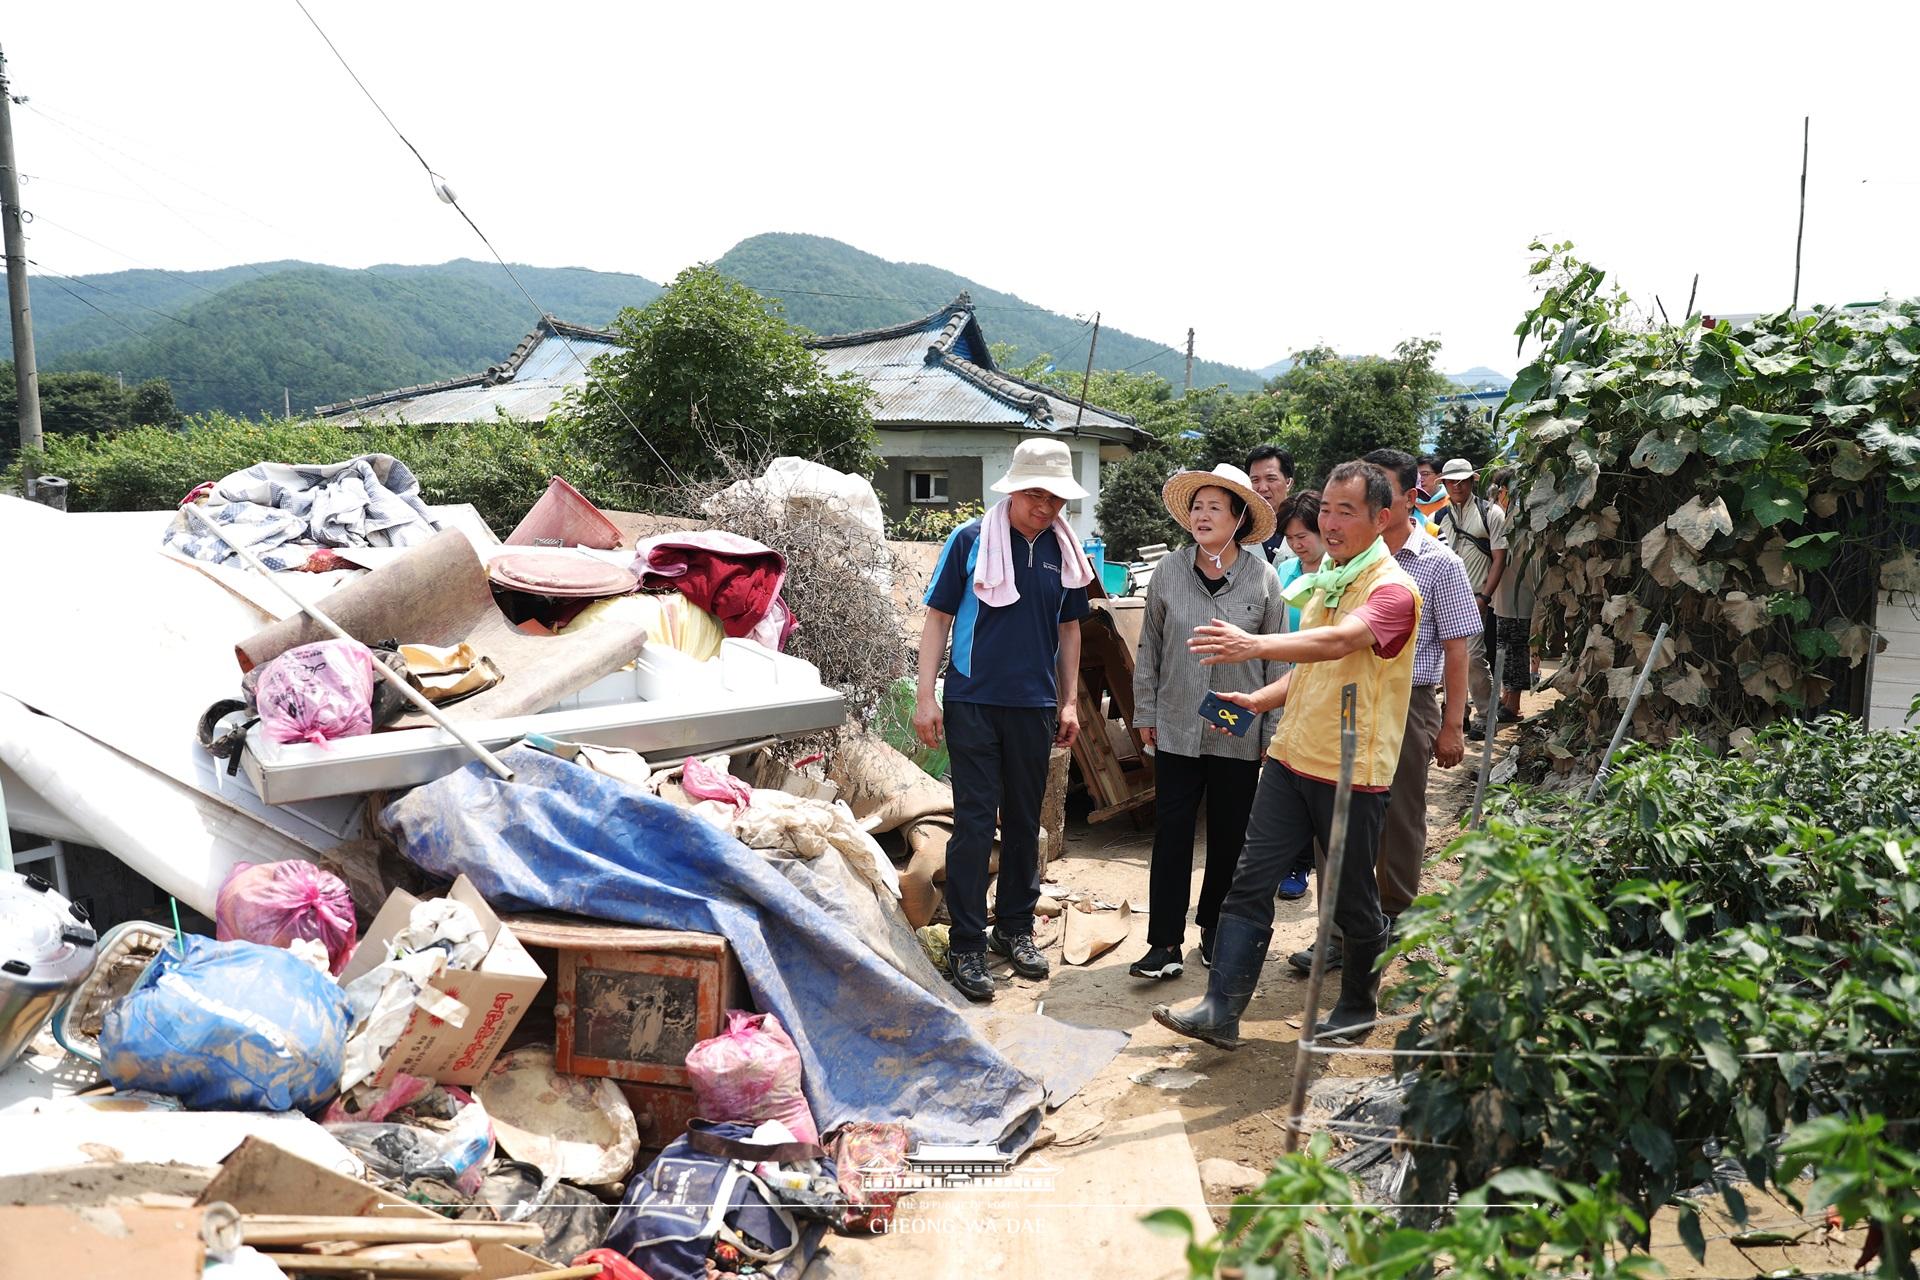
x: 1272, y: 175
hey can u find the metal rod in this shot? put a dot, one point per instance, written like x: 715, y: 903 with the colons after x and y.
x: 1626, y: 717
x: 1493, y: 727
x: 1329, y: 891
x: 259, y: 1229
x: 411, y: 694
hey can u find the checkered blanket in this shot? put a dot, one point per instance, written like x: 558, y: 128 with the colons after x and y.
x: 284, y: 512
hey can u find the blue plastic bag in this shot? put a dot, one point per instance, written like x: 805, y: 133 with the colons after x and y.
x: 234, y: 1026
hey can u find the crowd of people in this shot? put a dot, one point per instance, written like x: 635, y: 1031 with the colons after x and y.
x: 1396, y: 578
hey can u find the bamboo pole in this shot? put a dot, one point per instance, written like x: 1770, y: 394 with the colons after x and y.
x: 1329, y: 890
x: 380, y: 669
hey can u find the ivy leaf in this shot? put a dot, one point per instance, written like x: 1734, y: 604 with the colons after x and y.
x: 1866, y: 387
x: 1743, y: 613
x: 1679, y: 404
x: 1731, y: 439
x: 1839, y: 412
x: 1528, y: 384
x: 1816, y: 645
x: 1882, y: 436
x: 1772, y: 500
x: 1787, y: 605
x: 1713, y: 1042
x: 1697, y: 522
x: 1662, y: 453
x: 1850, y: 462
x: 1809, y: 550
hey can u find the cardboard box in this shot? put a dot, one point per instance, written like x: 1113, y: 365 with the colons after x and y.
x: 496, y: 995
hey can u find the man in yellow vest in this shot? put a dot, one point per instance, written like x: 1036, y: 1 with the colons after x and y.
x: 1358, y: 619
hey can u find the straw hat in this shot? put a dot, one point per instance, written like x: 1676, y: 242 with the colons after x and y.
x: 1180, y: 488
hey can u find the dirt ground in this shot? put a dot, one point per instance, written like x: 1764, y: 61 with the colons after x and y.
x: 1234, y: 1104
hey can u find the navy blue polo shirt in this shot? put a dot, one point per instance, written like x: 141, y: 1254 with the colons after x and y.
x: 1004, y: 657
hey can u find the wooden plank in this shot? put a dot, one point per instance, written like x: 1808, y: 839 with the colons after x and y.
x: 574, y: 933
x: 1131, y: 803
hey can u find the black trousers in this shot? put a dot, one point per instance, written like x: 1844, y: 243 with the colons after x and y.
x: 999, y: 770
x: 1289, y: 813
x: 1180, y: 783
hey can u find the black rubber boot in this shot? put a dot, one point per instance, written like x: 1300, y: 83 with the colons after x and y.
x: 1353, y: 1014
x: 1239, y: 949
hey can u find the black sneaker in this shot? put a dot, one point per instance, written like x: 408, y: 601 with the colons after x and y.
x: 1020, y: 951
x: 968, y: 971
x: 1302, y: 961
x: 1159, y: 962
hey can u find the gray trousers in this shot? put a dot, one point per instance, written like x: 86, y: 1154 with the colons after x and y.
x: 1403, y: 836
x: 1290, y: 813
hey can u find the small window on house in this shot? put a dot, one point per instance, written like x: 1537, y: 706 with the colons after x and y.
x: 927, y: 487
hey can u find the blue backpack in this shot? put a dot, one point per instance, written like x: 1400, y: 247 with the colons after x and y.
x: 702, y: 1188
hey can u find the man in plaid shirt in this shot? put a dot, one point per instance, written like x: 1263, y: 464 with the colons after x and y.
x: 1448, y: 616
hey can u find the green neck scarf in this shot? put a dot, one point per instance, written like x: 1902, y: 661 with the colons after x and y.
x: 1331, y: 579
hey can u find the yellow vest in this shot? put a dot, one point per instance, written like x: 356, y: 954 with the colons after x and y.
x: 1308, y: 739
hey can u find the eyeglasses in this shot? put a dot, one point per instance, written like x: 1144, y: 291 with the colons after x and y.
x: 1041, y: 495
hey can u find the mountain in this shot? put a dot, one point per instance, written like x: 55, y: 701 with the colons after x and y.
x: 830, y: 287
x: 249, y: 338
x: 1481, y: 378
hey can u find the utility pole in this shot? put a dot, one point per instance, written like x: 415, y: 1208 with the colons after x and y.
x: 286, y: 399
x: 26, y: 378
x: 1087, y: 378
x: 1189, y: 359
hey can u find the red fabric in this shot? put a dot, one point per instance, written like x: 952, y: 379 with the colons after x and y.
x: 613, y: 1266
x: 735, y: 579
x: 1390, y: 615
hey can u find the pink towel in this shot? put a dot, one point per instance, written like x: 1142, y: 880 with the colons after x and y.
x: 993, y: 567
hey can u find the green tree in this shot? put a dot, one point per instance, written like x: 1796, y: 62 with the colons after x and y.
x: 1465, y: 434
x: 1130, y: 512
x: 1347, y: 407
x: 152, y: 404
x: 710, y: 373
x: 70, y: 404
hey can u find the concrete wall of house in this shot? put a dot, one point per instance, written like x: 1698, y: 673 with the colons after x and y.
x: 1893, y: 677
x: 974, y: 458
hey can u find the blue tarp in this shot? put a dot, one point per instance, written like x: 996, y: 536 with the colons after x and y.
x: 874, y: 1046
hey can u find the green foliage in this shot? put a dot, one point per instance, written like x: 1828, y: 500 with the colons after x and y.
x: 932, y: 524
x: 830, y: 287
x: 1864, y: 1177
x: 501, y: 468
x: 1734, y: 481
x: 320, y: 334
x: 1692, y: 967
x: 1308, y: 1221
x: 708, y: 372
x: 1131, y: 514
x: 1349, y: 407
x: 83, y: 404
x: 1464, y: 434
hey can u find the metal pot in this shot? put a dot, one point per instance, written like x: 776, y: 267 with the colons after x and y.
x: 46, y: 950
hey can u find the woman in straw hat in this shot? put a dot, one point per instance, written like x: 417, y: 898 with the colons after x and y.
x: 1215, y: 578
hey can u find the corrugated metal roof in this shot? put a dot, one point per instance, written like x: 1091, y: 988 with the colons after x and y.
x: 919, y: 374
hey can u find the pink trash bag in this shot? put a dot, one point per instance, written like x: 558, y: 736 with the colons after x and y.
x: 317, y: 692
x: 750, y: 1073
x: 275, y: 902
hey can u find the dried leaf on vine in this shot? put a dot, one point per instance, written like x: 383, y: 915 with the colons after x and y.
x: 1697, y: 522
x: 1902, y: 573
x: 1743, y: 613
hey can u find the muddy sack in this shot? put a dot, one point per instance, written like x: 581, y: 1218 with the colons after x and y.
x: 233, y: 1026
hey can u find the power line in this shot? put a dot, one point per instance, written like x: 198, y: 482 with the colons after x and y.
x: 445, y: 192
x: 148, y: 266
x: 186, y: 324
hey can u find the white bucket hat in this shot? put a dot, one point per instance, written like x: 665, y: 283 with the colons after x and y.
x: 1458, y: 469
x: 1178, y: 493
x: 1041, y: 464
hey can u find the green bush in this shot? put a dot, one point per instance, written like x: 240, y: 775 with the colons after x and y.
x: 500, y: 467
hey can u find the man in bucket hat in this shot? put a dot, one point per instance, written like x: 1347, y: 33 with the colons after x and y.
x: 1009, y: 590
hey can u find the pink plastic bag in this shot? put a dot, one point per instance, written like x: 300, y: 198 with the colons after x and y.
x: 750, y: 1073
x: 275, y: 902
x: 704, y: 782
x: 317, y: 692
